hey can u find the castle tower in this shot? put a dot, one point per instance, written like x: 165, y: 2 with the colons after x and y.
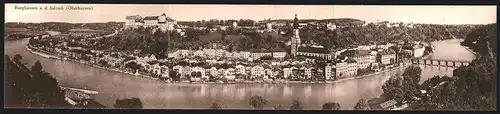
x: 162, y: 22
x: 269, y: 25
x: 235, y: 24
x: 162, y: 18
x: 295, y: 39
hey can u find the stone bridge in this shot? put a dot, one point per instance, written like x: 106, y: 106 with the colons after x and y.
x: 439, y: 62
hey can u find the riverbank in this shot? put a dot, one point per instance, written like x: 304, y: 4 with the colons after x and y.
x: 470, y: 50
x: 372, y: 74
x: 218, y: 82
x: 86, y: 63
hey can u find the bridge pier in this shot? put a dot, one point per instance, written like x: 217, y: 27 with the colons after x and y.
x: 446, y: 63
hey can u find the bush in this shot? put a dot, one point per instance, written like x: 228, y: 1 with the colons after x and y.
x: 296, y: 105
x: 258, y: 102
x: 131, y: 103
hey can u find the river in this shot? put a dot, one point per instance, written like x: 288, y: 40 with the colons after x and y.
x: 158, y: 95
x: 451, y: 50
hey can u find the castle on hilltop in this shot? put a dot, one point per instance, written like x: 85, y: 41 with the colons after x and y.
x: 162, y: 22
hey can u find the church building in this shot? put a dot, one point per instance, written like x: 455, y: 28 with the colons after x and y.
x: 297, y: 49
x: 295, y: 39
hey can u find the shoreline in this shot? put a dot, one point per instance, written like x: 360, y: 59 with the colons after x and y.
x: 470, y: 50
x: 184, y: 82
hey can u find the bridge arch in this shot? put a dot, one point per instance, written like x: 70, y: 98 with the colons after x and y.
x: 438, y: 62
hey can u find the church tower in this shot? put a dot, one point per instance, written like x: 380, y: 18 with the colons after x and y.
x: 295, y: 39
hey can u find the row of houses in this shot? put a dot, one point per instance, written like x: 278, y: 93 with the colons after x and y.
x: 214, y: 53
x: 353, y: 60
x: 198, y: 73
x: 359, y: 59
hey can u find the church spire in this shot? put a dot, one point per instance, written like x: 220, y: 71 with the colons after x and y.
x: 295, y: 22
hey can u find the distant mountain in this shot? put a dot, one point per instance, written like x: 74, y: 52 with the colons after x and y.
x: 8, y: 29
x: 65, y: 26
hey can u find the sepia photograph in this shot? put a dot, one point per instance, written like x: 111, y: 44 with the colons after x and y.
x: 250, y: 57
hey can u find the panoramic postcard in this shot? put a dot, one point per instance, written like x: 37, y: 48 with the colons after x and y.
x: 250, y: 57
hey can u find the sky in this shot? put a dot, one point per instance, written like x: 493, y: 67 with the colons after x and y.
x: 370, y: 13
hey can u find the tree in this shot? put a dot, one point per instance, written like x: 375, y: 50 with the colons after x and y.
x: 215, y: 106
x: 411, y: 78
x: 296, y: 105
x: 104, y: 62
x: 196, y: 74
x: 361, y: 105
x: 130, y: 103
x: 279, y: 107
x: 431, y: 82
x: 16, y: 85
x: 17, y: 58
x: 393, y: 88
x: 21, y: 92
x: 331, y: 106
x: 36, y: 68
x: 33, y: 42
x: 174, y: 75
x: 258, y: 102
x: 50, y: 94
x: 133, y: 65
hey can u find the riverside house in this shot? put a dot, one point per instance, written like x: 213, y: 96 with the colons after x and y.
x: 346, y: 69
x: 229, y: 74
x: 240, y: 69
x: 387, y: 57
x: 328, y: 72
x: 257, y: 71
